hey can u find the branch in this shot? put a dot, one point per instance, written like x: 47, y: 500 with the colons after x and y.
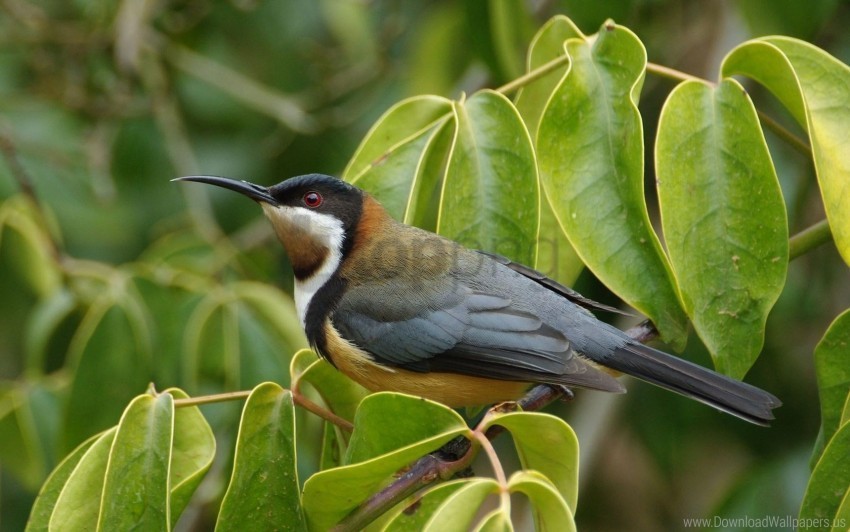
x: 297, y: 398
x: 457, y: 455
x: 791, y: 139
x: 809, y: 238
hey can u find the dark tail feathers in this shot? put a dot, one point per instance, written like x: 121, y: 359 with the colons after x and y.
x: 675, y: 374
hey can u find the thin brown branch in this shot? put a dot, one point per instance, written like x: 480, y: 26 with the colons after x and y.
x: 323, y: 413
x: 297, y: 398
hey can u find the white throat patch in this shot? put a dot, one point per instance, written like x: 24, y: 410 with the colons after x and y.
x: 323, y: 229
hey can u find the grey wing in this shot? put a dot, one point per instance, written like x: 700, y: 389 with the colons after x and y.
x: 456, y: 329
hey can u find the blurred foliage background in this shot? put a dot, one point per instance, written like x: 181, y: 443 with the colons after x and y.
x: 101, y: 103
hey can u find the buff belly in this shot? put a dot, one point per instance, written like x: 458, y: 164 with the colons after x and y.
x: 450, y: 389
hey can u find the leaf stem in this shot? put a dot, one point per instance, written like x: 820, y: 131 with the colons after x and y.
x: 672, y: 73
x: 212, y: 398
x: 297, y: 398
x: 533, y: 75
x: 809, y: 238
x: 793, y: 140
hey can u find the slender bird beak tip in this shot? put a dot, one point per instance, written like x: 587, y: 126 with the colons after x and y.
x: 255, y: 192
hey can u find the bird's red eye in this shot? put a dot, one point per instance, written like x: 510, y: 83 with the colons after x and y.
x: 312, y: 199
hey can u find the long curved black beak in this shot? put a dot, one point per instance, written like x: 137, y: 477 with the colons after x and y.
x: 255, y: 192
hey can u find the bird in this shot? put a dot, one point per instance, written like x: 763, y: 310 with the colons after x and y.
x: 398, y: 308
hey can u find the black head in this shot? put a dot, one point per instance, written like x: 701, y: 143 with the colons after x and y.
x: 315, y: 217
x: 319, y: 193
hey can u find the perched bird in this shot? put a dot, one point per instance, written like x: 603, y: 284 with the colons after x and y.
x: 398, y: 308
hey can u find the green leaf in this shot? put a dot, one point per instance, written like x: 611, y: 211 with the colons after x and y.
x: 111, y: 353
x: 51, y: 489
x: 555, y: 255
x: 815, y: 88
x: 418, y: 427
x: 341, y: 394
x: 136, y: 487
x: 45, y: 319
x: 545, y: 443
x: 241, y: 335
x: 20, y: 448
x: 387, y: 160
x: 832, y: 367
x: 590, y: 150
x: 78, y: 504
x: 424, y: 204
x: 491, y: 196
x: 828, y: 485
x: 547, y: 45
x: 32, y: 260
x: 551, y: 510
x: 511, y: 27
x: 459, y: 509
x: 264, y: 485
x: 723, y: 217
x: 499, y: 520
x: 421, y: 507
x: 415, y: 422
x: 193, y: 451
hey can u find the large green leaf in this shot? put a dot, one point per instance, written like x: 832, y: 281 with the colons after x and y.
x: 263, y: 488
x: 458, y: 510
x: 499, y: 520
x: 136, y: 485
x: 418, y: 426
x: 815, y: 87
x: 22, y: 450
x: 547, y: 45
x: 241, y: 334
x: 491, y: 196
x: 341, y: 394
x: 827, y: 491
x: 417, y: 514
x: 111, y: 351
x: 44, y: 504
x: 545, y: 443
x: 415, y: 422
x: 551, y: 510
x: 192, y: 454
x: 832, y: 367
x: 723, y: 217
x: 511, y: 27
x: 590, y: 152
x: 31, y: 259
x: 387, y: 160
x: 78, y: 504
x: 555, y: 255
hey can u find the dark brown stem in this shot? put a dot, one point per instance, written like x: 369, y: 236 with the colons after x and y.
x: 436, y: 467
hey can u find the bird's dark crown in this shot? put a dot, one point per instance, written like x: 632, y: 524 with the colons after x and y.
x: 338, y: 198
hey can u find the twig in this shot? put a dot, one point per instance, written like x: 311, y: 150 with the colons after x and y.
x: 534, y: 75
x: 793, y: 140
x: 297, y: 398
x: 443, y: 464
x: 809, y: 238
